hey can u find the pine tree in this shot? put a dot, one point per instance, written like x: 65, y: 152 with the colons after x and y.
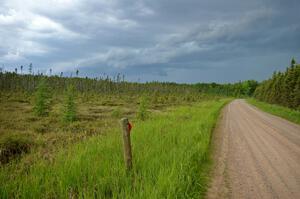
x: 277, y: 88
x: 293, y: 62
x: 42, y: 99
x: 289, y: 85
x: 272, y: 91
x: 69, y: 109
x: 296, y: 91
x: 296, y: 100
x: 282, y: 88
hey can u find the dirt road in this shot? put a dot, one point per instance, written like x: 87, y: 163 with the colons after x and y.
x: 257, y: 155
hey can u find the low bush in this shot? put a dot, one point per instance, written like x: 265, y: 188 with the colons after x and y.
x: 143, y: 113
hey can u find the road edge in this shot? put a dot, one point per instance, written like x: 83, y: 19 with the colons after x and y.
x: 218, y: 186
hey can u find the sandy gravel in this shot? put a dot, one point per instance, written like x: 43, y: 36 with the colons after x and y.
x: 257, y: 155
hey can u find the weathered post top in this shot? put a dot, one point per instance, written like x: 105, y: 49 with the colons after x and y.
x: 124, y: 121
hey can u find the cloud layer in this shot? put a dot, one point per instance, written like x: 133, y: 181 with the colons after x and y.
x: 183, y: 41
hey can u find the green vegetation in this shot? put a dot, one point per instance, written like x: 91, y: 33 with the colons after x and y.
x: 81, y: 157
x: 41, y: 101
x: 142, y: 113
x: 239, y: 89
x: 13, y: 82
x: 69, y: 111
x: 171, y: 160
x: 96, y: 113
x: 283, y: 88
x: 287, y: 113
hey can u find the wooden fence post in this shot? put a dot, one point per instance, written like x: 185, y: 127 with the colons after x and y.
x: 126, y: 143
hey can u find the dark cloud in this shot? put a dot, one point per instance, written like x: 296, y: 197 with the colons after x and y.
x: 183, y: 41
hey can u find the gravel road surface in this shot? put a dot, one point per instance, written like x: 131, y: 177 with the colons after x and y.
x: 257, y: 155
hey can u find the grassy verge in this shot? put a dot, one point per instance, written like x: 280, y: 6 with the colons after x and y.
x: 171, y: 160
x: 289, y: 114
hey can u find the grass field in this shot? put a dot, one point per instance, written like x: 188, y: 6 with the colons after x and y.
x: 21, y: 131
x: 287, y: 113
x: 171, y: 160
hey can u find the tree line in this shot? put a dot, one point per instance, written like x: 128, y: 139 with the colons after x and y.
x: 283, y: 88
x: 239, y: 89
x: 12, y: 81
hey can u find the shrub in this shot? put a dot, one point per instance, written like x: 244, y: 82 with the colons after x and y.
x: 142, y: 113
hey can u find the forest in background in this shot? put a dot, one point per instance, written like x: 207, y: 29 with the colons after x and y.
x: 283, y: 88
x: 18, y: 82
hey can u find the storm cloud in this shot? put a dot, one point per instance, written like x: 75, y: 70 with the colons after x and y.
x: 181, y: 41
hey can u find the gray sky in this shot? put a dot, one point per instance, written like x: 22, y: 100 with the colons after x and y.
x: 174, y: 40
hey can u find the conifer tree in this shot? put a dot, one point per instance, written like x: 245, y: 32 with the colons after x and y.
x: 289, y: 85
x: 42, y: 99
x: 293, y: 62
x: 282, y: 88
x: 296, y: 91
x: 69, y: 109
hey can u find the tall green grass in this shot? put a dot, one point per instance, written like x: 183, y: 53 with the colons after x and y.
x: 287, y: 113
x: 171, y: 160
